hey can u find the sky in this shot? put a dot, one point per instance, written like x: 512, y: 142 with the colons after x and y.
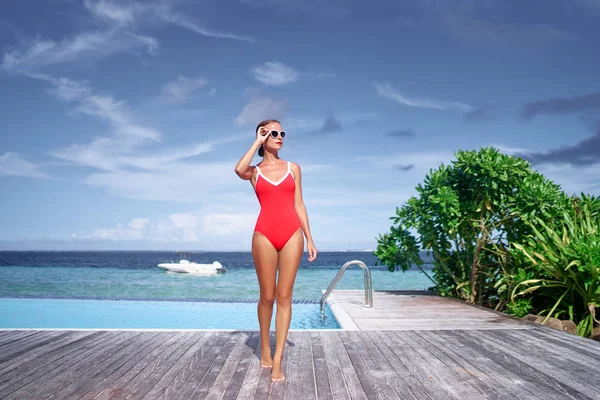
x: 122, y: 121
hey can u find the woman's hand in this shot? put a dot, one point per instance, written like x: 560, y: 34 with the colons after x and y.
x: 262, y: 135
x: 312, y: 251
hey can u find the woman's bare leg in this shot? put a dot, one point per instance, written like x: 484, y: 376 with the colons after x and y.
x: 265, y: 263
x: 289, y: 260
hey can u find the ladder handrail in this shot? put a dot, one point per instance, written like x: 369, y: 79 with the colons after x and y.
x: 367, y: 279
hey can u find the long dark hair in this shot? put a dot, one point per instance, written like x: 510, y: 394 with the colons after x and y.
x: 261, y: 150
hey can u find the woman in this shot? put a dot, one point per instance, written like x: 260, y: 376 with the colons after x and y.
x: 277, y: 236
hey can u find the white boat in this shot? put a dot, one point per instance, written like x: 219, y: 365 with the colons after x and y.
x: 185, y: 266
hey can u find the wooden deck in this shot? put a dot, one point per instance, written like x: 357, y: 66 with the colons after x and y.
x: 413, y: 310
x: 452, y: 361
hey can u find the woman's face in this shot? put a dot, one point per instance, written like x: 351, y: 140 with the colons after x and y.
x: 273, y: 143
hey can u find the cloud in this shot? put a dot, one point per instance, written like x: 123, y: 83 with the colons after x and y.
x: 330, y: 125
x: 201, y: 226
x: 149, y: 41
x: 574, y: 168
x: 115, y: 35
x: 275, y: 73
x: 481, y: 113
x: 39, y: 53
x: 180, y: 89
x: 470, y: 30
x: 139, y: 223
x: 186, y: 23
x: 260, y: 108
x: 561, y: 105
x: 228, y: 224
x: 584, y: 153
x: 127, y: 144
x: 387, y: 91
x: 400, y: 133
x: 403, y: 167
x: 12, y: 164
x: 104, y: 152
x: 152, y: 12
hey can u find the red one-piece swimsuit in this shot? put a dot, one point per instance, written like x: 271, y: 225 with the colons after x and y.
x: 278, y: 219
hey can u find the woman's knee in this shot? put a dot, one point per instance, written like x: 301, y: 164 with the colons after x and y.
x: 267, y: 299
x: 284, y: 299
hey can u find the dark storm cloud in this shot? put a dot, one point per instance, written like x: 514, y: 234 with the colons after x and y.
x: 561, y: 105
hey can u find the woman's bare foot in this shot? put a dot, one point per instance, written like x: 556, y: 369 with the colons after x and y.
x: 276, y: 374
x: 266, y: 361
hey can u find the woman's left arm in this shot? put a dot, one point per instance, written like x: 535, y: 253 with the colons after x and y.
x: 301, y: 211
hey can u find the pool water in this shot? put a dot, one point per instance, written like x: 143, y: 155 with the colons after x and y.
x: 128, y: 314
x: 104, y: 290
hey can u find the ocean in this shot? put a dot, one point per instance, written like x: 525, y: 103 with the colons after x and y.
x: 135, y: 275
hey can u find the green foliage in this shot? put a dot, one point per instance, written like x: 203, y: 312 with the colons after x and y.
x: 520, y: 307
x: 464, y: 214
x: 565, y: 254
x: 475, y: 213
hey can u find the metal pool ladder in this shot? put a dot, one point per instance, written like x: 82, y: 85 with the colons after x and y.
x: 367, y: 278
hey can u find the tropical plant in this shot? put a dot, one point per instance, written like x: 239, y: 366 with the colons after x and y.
x: 467, y: 214
x: 565, y: 258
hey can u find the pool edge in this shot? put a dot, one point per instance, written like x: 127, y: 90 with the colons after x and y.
x: 343, y: 318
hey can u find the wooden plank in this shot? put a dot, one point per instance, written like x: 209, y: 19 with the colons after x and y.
x: 306, y: 368
x: 591, y: 346
x: 154, y: 376
x: 13, y: 336
x: 369, y: 386
x: 427, y: 323
x: 410, y: 363
x: 199, y: 384
x: 200, y: 340
x: 56, y: 378
x: 560, y: 349
x: 101, y: 368
x: 332, y: 340
x: 167, y: 341
x: 335, y: 375
x: 399, y: 382
x: 557, y: 364
x: 449, y: 380
x: 214, y: 342
x: 290, y: 388
x: 35, y: 355
x: 509, y: 383
x: 154, y: 369
x: 23, y: 345
x: 53, y: 361
x: 379, y: 376
x: 263, y: 384
x: 221, y: 383
x: 466, y: 377
x: 52, y: 383
x: 233, y: 390
x: 106, y: 377
x: 321, y: 377
x: 250, y: 380
x: 527, y: 368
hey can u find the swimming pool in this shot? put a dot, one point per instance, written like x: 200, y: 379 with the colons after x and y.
x: 131, y: 314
